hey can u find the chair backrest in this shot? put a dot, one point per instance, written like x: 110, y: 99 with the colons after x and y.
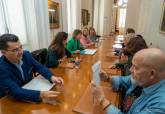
x: 2, y: 94
x: 40, y: 55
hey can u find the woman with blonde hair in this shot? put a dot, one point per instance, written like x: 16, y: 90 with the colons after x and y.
x: 85, y: 41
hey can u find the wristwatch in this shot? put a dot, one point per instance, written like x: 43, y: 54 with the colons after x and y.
x: 104, y: 103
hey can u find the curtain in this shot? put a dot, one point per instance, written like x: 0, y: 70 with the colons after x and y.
x: 2, y: 20
x: 28, y: 19
x: 37, y: 23
x: 74, y: 15
x: 12, y: 19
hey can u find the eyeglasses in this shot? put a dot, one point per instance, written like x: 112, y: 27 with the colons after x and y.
x: 16, y: 50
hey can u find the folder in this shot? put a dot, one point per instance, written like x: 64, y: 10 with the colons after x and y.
x: 38, y: 83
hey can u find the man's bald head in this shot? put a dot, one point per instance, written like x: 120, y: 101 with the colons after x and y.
x: 148, y: 66
x: 152, y: 57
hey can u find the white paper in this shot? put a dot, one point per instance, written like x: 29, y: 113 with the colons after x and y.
x: 96, y: 72
x: 117, y: 46
x: 89, y: 51
x: 39, y: 83
x: 118, y: 42
x: 120, y: 37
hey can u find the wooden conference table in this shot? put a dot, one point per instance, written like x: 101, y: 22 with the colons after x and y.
x: 76, y: 82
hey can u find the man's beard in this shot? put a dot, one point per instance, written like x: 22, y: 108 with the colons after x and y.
x: 136, y: 82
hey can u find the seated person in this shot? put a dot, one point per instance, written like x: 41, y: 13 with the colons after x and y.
x: 57, y: 50
x: 85, y: 41
x: 134, y: 45
x: 74, y: 46
x: 147, y: 72
x: 130, y: 33
x: 126, y: 83
x: 16, y: 68
x: 92, y: 35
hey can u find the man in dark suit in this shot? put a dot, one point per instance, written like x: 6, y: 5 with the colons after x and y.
x: 16, y: 68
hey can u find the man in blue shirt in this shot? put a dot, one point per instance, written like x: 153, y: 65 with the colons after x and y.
x: 16, y: 67
x: 148, y: 71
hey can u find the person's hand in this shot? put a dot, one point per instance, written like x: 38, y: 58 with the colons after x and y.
x: 99, y: 96
x: 92, y: 44
x: 124, y: 58
x: 57, y: 80
x: 77, y: 52
x: 112, y: 66
x: 49, y: 96
x: 62, y: 59
x: 98, y: 93
x: 104, y: 77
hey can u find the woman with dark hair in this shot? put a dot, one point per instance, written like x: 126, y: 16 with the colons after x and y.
x: 130, y: 33
x: 74, y: 46
x: 57, y: 50
x: 134, y: 45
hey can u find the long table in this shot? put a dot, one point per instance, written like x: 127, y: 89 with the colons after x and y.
x: 76, y: 82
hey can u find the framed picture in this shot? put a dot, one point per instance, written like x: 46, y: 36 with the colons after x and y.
x: 162, y: 23
x: 53, y: 8
x: 84, y: 17
x: 88, y: 17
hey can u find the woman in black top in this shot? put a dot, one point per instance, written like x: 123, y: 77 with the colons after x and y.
x: 134, y: 45
x: 57, y: 50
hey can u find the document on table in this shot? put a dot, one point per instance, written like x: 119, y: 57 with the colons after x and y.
x: 96, y: 68
x: 117, y: 46
x: 118, y: 42
x: 88, y: 51
x: 39, y: 83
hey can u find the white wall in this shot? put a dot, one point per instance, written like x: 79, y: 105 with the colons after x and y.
x: 149, y: 21
x: 64, y: 16
x: 107, y: 17
x: 132, y: 15
x: 96, y: 15
x: 102, y: 16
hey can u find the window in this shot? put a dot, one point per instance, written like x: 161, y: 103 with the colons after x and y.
x: 12, y: 19
x: 122, y: 17
x: 122, y: 10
